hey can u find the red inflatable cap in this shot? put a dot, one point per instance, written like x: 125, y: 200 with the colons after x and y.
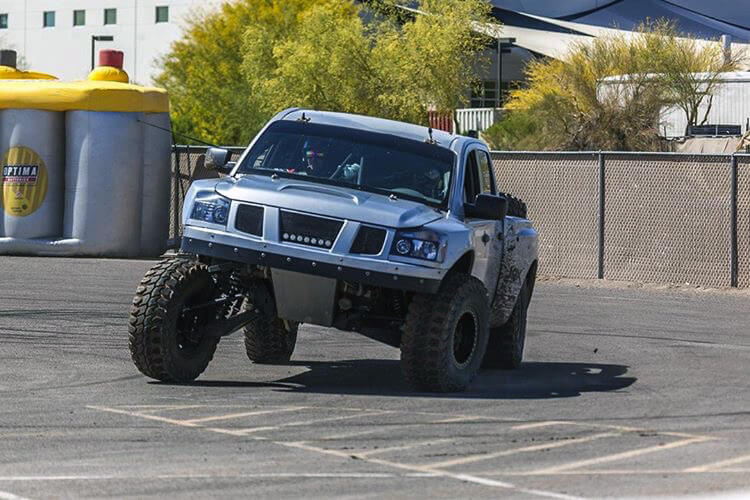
x: 111, y: 58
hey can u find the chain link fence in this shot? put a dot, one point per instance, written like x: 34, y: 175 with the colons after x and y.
x: 187, y: 166
x: 563, y: 189
x: 667, y: 219
x: 653, y: 217
x: 743, y: 221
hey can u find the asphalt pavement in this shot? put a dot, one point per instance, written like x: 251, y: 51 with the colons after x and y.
x: 625, y: 392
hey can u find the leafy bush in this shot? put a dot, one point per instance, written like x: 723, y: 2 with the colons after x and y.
x: 238, y: 66
x: 515, y: 131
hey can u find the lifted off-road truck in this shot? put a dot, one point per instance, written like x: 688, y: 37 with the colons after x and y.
x: 391, y: 230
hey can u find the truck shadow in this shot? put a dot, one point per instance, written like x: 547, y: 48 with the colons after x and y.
x: 531, y: 381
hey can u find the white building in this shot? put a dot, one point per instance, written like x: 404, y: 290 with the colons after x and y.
x: 55, y: 36
x: 725, y: 113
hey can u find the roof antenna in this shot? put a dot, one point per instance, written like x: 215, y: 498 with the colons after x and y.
x: 430, y: 140
x: 304, y: 119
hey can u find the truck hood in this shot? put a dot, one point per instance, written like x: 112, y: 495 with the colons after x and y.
x: 331, y: 201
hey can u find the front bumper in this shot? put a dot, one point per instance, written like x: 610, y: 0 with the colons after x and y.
x: 374, y: 272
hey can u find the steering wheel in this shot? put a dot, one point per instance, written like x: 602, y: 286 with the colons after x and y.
x: 340, y: 167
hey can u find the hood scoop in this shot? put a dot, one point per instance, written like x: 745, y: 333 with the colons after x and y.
x: 323, y: 200
x: 323, y: 190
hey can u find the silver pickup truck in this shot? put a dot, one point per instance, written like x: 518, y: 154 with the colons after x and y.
x: 391, y: 230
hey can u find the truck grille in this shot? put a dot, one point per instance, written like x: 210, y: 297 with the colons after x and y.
x: 249, y: 219
x: 308, y: 230
x: 369, y: 241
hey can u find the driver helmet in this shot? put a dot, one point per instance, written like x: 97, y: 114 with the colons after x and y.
x: 313, y: 154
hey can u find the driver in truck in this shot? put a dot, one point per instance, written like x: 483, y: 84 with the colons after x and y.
x: 312, y: 161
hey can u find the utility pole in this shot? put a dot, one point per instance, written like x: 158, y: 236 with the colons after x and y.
x: 503, y: 47
x: 135, y: 40
x: 98, y: 38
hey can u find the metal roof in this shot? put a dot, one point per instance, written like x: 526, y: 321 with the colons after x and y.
x: 699, y: 19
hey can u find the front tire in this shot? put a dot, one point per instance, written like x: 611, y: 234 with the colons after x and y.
x: 445, y: 335
x: 165, y: 339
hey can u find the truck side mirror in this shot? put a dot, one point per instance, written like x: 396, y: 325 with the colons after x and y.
x: 218, y: 159
x: 487, y: 206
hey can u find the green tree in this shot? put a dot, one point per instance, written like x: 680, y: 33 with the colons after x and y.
x: 609, y: 93
x: 389, y: 66
x: 515, y: 131
x: 237, y: 66
x: 688, y: 70
x: 210, y: 97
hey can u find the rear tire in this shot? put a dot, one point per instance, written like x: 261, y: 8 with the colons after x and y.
x: 165, y: 340
x: 516, y: 207
x: 268, y: 339
x: 506, y: 343
x: 445, y: 335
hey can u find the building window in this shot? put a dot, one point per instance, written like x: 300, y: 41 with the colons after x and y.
x: 79, y: 17
x: 110, y: 16
x: 486, y: 96
x: 3, y: 21
x: 48, y: 19
x: 162, y: 14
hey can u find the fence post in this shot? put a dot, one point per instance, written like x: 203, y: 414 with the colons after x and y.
x: 733, y: 257
x: 602, y: 184
x: 175, y: 187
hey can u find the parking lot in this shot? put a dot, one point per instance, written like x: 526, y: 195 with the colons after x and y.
x: 626, y: 391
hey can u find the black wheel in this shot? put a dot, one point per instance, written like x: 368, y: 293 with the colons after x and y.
x: 445, y: 335
x: 516, y: 207
x: 505, y: 347
x: 268, y: 339
x: 165, y: 332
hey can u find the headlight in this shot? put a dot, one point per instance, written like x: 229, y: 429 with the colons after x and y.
x: 210, y: 207
x: 420, y: 244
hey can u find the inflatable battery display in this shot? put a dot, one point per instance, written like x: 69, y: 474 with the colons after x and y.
x: 85, y: 165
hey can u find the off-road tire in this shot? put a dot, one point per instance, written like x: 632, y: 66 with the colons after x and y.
x: 156, y: 345
x: 268, y: 339
x: 516, y: 207
x: 429, y: 353
x: 506, y: 343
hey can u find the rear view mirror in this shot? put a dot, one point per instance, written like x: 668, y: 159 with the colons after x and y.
x: 218, y: 159
x: 487, y: 206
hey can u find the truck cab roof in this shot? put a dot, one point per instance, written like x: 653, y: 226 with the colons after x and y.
x: 444, y: 139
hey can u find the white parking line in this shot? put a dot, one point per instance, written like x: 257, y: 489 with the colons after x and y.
x: 537, y: 425
x: 191, y: 475
x: 146, y: 411
x: 526, y: 449
x: 242, y: 432
x: 720, y: 464
x: 614, y: 472
x: 333, y: 475
x: 352, y: 434
x: 454, y: 420
x: 4, y: 495
x: 157, y: 418
x: 243, y: 414
x: 616, y: 456
x: 430, y: 470
x: 402, y: 447
x: 440, y: 473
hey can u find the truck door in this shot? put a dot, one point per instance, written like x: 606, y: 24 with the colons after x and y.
x: 486, y: 234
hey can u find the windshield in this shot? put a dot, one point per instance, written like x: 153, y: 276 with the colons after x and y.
x: 370, y: 161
